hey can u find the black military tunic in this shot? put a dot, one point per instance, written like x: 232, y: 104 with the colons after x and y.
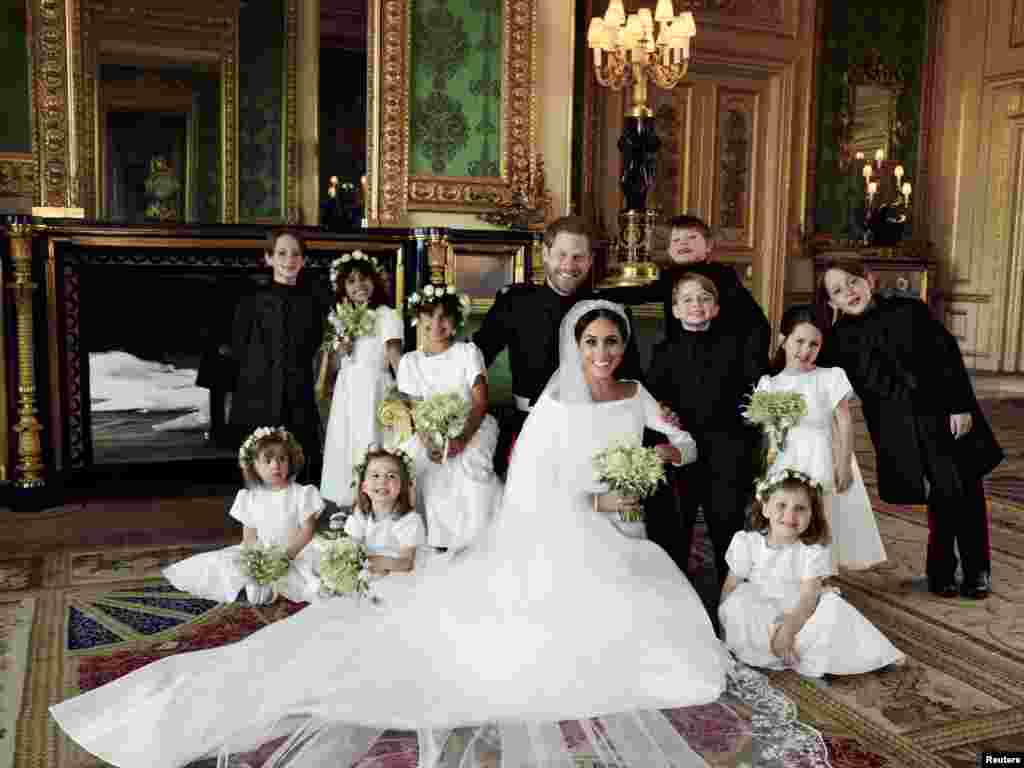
x: 525, y: 320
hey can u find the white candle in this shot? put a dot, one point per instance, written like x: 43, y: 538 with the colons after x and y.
x: 906, y: 190
x: 867, y: 171
x: 859, y: 156
x: 879, y: 156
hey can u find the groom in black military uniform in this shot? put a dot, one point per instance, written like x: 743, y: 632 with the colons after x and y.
x: 525, y: 319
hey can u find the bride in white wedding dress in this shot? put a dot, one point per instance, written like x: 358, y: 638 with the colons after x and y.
x: 552, y: 615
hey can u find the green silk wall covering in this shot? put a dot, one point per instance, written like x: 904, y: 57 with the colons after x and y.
x: 261, y: 73
x: 15, y: 125
x: 898, y: 30
x: 455, y: 96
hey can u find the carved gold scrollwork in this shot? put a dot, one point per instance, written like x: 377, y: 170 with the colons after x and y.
x: 17, y: 176
x: 50, y: 82
x: 394, y: 192
x: 29, y: 469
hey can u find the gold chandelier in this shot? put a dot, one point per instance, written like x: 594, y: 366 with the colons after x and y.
x: 626, y: 47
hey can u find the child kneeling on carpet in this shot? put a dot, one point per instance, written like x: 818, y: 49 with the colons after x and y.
x: 385, y: 517
x: 776, y: 611
x: 276, y: 512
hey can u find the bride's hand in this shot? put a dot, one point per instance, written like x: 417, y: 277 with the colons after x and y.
x: 614, y: 503
x: 433, y: 452
x: 345, y: 346
x: 669, y: 453
x: 844, y: 476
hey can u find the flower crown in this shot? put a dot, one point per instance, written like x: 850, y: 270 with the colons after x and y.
x: 247, y: 455
x: 431, y: 294
x: 766, y: 487
x: 348, y: 258
x: 360, y: 467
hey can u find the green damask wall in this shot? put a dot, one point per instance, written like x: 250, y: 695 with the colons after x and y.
x: 15, y: 125
x: 455, y: 98
x: 898, y: 30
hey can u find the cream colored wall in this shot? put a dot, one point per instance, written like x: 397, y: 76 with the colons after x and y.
x: 976, y: 188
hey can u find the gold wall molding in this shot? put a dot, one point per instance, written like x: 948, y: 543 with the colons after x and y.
x: 50, y: 103
x: 291, y: 126
x: 18, y: 175
x: 393, y: 193
x: 969, y: 298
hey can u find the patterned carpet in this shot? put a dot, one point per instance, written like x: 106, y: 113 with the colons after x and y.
x: 100, y: 614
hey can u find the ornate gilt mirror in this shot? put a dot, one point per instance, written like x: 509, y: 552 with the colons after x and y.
x: 870, y: 117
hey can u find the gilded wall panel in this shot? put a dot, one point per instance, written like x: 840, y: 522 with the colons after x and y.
x: 1005, y: 54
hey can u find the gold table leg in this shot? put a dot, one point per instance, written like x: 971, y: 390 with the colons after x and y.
x: 29, y: 470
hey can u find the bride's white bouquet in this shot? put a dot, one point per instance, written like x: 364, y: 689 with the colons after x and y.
x: 348, y: 321
x: 775, y: 413
x: 263, y: 564
x: 343, y: 568
x: 629, y: 468
x: 441, y: 418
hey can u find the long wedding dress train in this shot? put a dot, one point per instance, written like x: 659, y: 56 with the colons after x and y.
x: 553, y: 615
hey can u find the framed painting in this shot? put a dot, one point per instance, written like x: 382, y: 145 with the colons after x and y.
x: 452, y: 104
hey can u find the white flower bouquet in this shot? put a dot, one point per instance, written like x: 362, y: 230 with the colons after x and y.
x: 348, y: 321
x: 441, y: 418
x: 263, y: 564
x: 775, y: 413
x: 343, y: 568
x: 629, y: 468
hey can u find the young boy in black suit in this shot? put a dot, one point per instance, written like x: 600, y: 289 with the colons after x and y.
x: 703, y: 374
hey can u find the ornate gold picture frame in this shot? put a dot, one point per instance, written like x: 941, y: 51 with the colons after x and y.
x: 67, y: 37
x: 393, y: 189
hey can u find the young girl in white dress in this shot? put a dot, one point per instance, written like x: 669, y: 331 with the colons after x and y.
x: 821, y: 443
x: 276, y: 511
x: 385, y: 517
x: 459, y: 490
x: 775, y: 611
x: 363, y: 375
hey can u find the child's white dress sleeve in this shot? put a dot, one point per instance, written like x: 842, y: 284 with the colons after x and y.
x: 764, y: 384
x: 407, y: 379
x: 472, y: 364
x: 817, y: 562
x: 390, y: 325
x: 677, y: 438
x: 409, y: 531
x: 242, y: 510
x: 839, y: 386
x: 355, y: 525
x: 739, y: 556
x: 308, y: 503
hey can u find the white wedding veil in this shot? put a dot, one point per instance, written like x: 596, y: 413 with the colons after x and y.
x: 568, y: 384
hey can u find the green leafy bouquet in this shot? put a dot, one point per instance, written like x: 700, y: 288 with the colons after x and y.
x: 263, y: 564
x: 343, y: 569
x: 348, y: 321
x: 775, y: 413
x: 441, y: 418
x: 629, y: 468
